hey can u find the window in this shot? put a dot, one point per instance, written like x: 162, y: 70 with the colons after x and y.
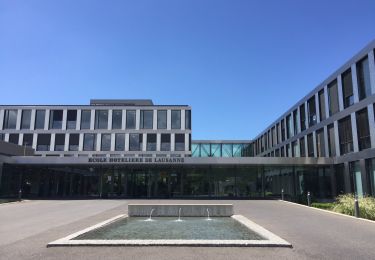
x: 294, y: 149
x: 14, y: 138
x: 130, y: 119
x: 120, y: 142
x: 28, y: 140
x: 288, y: 150
x: 43, y: 142
x: 356, y: 178
x: 1, y: 137
x: 89, y: 142
x: 135, y: 142
x: 333, y: 100
x: 322, y: 105
x: 216, y: 150
x: 363, y: 78
x: 345, y: 135
x: 73, y: 142
x: 320, y: 143
x: 363, y: 130
x: 176, y: 119
x: 347, y: 88
x: 289, y: 126
x: 40, y: 117
x: 106, y: 142
x: 277, y: 133
x: 282, y: 130
x: 146, y: 119
x: 165, y: 142
x: 370, y: 173
x: 187, y: 119
x: 179, y: 142
x: 295, y: 124
x: 151, y: 142
x: 302, y: 114
x: 10, y: 119
x: 55, y: 119
x: 331, y: 140
x: 26, y: 119
x: 71, y: 119
x: 310, y: 145
x: 116, y: 119
x: 101, y: 119
x: 311, y: 111
x: 282, y: 152
x: 162, y: 119
x: 85, y: 119
x: 59, y: 142
x: 302, y: 147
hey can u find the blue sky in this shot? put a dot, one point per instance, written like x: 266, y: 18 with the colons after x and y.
x: 239, y: 64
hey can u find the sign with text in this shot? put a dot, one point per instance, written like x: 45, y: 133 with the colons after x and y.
x: 136, y: 160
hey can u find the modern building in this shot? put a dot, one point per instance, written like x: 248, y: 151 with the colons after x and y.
x: 324, y: 144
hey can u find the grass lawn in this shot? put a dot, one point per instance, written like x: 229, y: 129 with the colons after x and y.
x: 7, y: 200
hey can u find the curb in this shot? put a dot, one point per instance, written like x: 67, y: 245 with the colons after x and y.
x: 13, y: 202
x: 328, y: 211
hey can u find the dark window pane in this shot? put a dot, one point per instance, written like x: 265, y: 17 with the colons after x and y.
x: 363, y: 130
x: 10, y: 119
x: 347, y: 88
x: 135, y: 142
x: 120, y: 142
x: 311, y: 109
x: 331, y: 140
x: 55, y: 119
x: 130, y: 119
x: 116, y: 119
x: 322, y: 106
x: 165, y: 142
x: 289, y: 124
x: 89, y: 142
x: 320, y: 143
x: 151, y: 142
x: 363, y: 77
x: 187, y: 119
x: 176, y: 119
x: 146, y: 119
x: 302, y: 115
x: 43, y: 142
x: 295, y: 126
x: 13, y: 138
x: 73, y: 142
x: 26, y: 119
x: 333, y: 100
x: 28, y: 140
x: 179, y: 142
x: 40, y: 117
x: 59, y: 142
x: 71, y: 119
x: 345, y: 135
x: 101, y: 119
x: 85, y: 119
x: 302, y: 147
x: 282, y: 132
x: 106, y: 142
x: 310, y: 145
x: 162, y: 119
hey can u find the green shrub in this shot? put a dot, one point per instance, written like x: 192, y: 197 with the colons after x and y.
x: 345, y: 205
x: 323, y: 205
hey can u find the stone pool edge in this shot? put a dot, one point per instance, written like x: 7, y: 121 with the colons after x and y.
x: 271, y: 240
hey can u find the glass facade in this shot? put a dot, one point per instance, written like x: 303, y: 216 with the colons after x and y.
x: 311, y: 109
x: 165, y: 142
x: 27, y: 140
x: 347, y: 88
x: 322, y: 105
x: 333, y: 99
x: 59, y: 142
x: 176, y: 119
x: 120, y: 142
x: 179, y: 142
x: 40, y: 117
x: 345, y: 135
x: 89, y: 142
x: 43, y: 142
x: 14, y: 138
x: 71, y: 119
x: 363, y: 78
x: 101, y: 119
x: 85, y: 119
x: 26, y: 119
x: 151, y: 142
x: 116, y: 119
x: 221, y: 150
x: 363, y: 130
x: 187, y: 119
x: 162, y: 119
x: 10, y: 119
x: 146, y: 119
x: 73, y: 142
x: 130, y: 119
x: 106, y: 142
x: 135, y: 142
x: 55, y: 119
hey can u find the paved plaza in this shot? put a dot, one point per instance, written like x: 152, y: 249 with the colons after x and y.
x: 27, y: 227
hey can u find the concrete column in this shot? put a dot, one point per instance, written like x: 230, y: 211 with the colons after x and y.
x: 6, y: 137
x: 18, y: 120
x: 98, y: 141
x: 20, y: 139
x: 66, y: 145
x: 339, y: 92
x: 1, y: 118
x: 113, y: 141
x: 326, y: 100
x: 355, y: 83
x: 158, y: 142
x: 78, y: 124
x: 337, y: 139
x: 46, y: 119
x: 137, y: 119
x: 183, y: 119
x: 317, y: 108
x: 370, y: 109
x: 80, y: 144
x: 126, y: 142
x: 52, y: 144
x: 172, y: 142
x: 326, y: 148
x: 154, y: 119
x: 35, y: 137
x: 65, y: 115
x: 314, y: 144
x: 110, y: 112
x: 144, y: 143
x: 186, y: 142
x: 123, y: 122
x: 354, y: 132
x: 372, y: 70
x: 32, y: 123
x: 92, y: 121
x: 169, y: 120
